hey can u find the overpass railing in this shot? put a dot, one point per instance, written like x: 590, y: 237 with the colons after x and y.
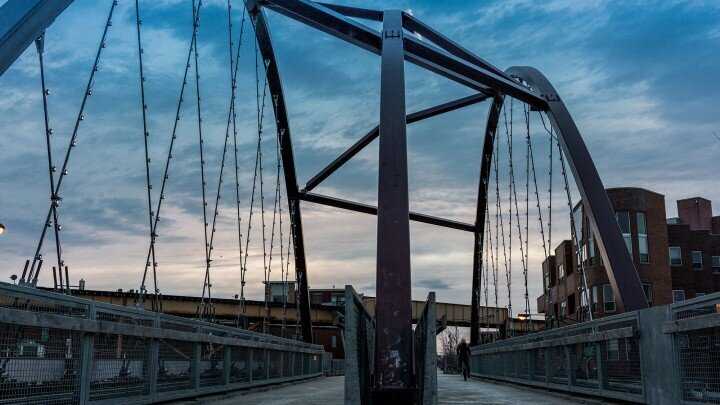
x: 661, y: 355
x: 58, y: 349
x: 359, y: 343
x: 425, y: 351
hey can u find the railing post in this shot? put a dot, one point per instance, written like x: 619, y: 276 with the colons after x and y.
x: 267, y: 364
x: 601, y: 366
x: 251, y: 364
x: 86, y: 354
x: 658, y: 358
x: 227, y: 364
x: 570, y: 365
x: 195, y: 365
x: 153, y: 364
x: 548, y: 368
x: 85, y: 367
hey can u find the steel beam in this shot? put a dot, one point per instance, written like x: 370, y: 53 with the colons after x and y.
x: 619, y: 266
x: 485, y: 166
x: 370, y: 136
x: 415, y: 50
x: 394, y: 377
x: 364, y: 13
x: 21, y: 22
x: 369, y: 209
x: 282, y: 124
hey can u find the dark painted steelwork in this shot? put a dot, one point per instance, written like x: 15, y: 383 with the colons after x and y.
x: 373, y: 134
x: 485, y: 167
x: 369, y: 209
x: 416, y: 51
x: 23, y: 21
x: 619, y: 266
x: 394, y: 377
x: 357, y: 12
x: 262, y: 35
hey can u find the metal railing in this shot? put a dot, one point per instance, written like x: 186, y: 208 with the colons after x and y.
x: 661, y: 355
x: 425, y: 351
x: 59, y: 349
x: 359, y: 340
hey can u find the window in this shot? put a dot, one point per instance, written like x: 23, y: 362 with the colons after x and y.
x: 561, y: 270
x: 608, y: 298
x: 642, y: 238
x: 623, y: 219
x: 699, y: 295
x: 333, y: 341
x: 595, y: 298
x: 716, y: 264
x: 613, y: 349
x: 675, y: 256
x: 647, y: 288
x: 563, y: 309
x: 678, y: 295
x: 697, y: 262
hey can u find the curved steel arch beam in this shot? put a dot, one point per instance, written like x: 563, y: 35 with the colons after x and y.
x: 479, y: 239
x: 618, y: 263
x: 262, y: 35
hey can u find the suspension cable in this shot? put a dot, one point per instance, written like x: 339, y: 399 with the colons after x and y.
x: 573, y: 230
x: 235, y: 154
x: 206, y: 281
x: 32, y: 278
x: 165, y: 177
x: 262, y: 183
x: 277, y: 213
x: 231, y: 112
x: 40, y: 45
x: 146, y: 135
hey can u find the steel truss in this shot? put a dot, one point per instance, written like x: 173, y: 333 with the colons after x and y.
x: 440, y: 55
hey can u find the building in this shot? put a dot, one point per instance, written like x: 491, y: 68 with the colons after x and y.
x: 676, y: 258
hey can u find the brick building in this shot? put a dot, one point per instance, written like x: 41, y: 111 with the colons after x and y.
x: 676, y: 258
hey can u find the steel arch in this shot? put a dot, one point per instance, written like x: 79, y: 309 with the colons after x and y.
x: 620, y: 268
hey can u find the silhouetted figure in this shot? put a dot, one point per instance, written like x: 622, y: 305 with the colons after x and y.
x: 463, y: 354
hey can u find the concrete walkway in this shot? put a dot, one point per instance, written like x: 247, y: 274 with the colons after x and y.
x: 452, y: 390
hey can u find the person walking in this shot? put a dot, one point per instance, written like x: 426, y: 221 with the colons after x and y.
x: 463, y: 354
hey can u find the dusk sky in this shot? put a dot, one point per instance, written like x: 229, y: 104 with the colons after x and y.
x: 638, y: 77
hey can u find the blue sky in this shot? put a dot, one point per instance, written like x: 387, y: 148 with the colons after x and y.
x: 638, y: 78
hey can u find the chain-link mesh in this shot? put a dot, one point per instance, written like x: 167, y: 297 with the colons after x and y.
x: 119, y: 367
x: 174, y: 365
x: 699, y: 363
x: 36, y: 304
x: 538, y: 364
x: 621, y: 359
x: 586, y: 364
x: 259, y: 362
x: 239, y: 365
x: 211, y: 364
x: 39, y: 365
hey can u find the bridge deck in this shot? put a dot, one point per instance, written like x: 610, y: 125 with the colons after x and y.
x: 451, y: 390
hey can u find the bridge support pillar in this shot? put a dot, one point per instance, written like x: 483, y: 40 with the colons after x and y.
x: 394, y: 379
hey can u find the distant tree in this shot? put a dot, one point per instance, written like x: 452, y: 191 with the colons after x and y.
x: 449, y: 340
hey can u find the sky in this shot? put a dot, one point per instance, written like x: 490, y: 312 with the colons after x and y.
x: 636, y: 76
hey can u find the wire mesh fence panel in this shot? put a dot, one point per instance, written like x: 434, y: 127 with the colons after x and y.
x: 538, y: 364
x: 558, y: 365
x: 174, y: 365
x: 585, y: 361
x: 298, y: 364
x: 39, y: 365
x: 211, y: 364
x: 239, y: 364
x: 621, y: 359
x: 699, y: 362
x: 259, y: 364
x: 306, y: 364
x: 287, y: 364
x: 131, y: 319
x: 275, y: 358
x: 523, y: 366
x: 119, y: 367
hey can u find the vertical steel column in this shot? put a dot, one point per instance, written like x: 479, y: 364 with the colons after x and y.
x: 195, y: 365
x: 394, y: 340
x: 227, y: 364
x: 485, y: 166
